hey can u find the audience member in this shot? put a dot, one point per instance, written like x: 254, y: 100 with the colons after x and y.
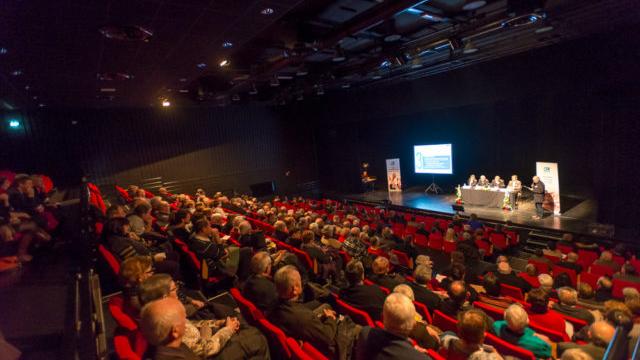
x: 571, y: 262
x: 627, y: 273
x: 259, y: 287
x: 491, y: 296
x: 568, y: 298
x: 552, y: 250
x: 604, y: 289
x: 586, y: 297
x: 381, y: 275
x: 538, y: 256
x: 606, y: 259
x: 458, y: 299
x: 530, y: 275
x: 540, y: 313
x: 600, y: 334
x: 469, y: 340
x: 515, y: 330
x: 422, y: 277
x: 163, y: 324
x: 369, y: 298
x: 506, y: 276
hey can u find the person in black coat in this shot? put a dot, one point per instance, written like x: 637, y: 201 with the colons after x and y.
x: 506, y: 276
x: 250, y: 238
x: 259, y: 287
x: 538, y: 196
x: 369, y: 298
x: 422, y: 275
x: 381, y: 276
x: 392, y: 342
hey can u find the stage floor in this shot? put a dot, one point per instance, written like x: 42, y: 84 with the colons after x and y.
x: 574, y: 220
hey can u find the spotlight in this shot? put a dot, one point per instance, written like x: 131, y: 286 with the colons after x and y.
x: 41, y: 105
x: 376, y: 77
x: 300, y: 97
x: 432, y: 17
x: 166, y: 103
x: 302, y: 71
x: 392, y: 37
x: 267, y: 11
x: 346, y: 86
x: 320, y: 91
x: 14, y: 124
x: 224, y: 63
x: 201, y: 65
x: 3, y: 50
x: 227, y: 44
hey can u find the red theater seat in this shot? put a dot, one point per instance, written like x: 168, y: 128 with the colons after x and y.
x: 505, y: 348
x: 493, y: 312
x: 275, y: 335
x: 248, y: 309
x: 512, y: 291
x: 111, y: 260
x: 618, y: 285
x: 557, y: 270
x: 421, y: 241
x: 444, y: 322
x: 117, y: 311
x: 357, y: 315
x: 601, y: 270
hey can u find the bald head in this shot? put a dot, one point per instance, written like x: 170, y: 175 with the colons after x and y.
x: 601, y: 333
x: 399, y: 314
x: 261, y: 263
x: 244, y: 227
x: 405, y: 290
x: 380, y: 265
x: 288, y: 282
x: 163, y: 321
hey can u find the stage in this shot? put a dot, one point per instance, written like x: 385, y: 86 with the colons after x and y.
x: 578, y: 215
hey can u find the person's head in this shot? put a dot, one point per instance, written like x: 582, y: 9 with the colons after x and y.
x: 216, y: 218
x: 472, y: 177
x: 380, y: 265
x: 423, y: 260
x: 354, y: 272
x: 457, y: 292
x: 135, y: 270
x: 163, y: 322
x: 261, y: 263
x: 496, y: 178
x: 615, y: 305
x: 634, y: 306
x: 536, y: 179
x: 288, y: 283
x: 328, y: 231
x: 23, y: 182
x: 472, y: 326
x: 502, y: 258
x: 115, y: 211
x: 562, y: 280
x: 572, y: 257
x: 244, y: 228
x: 307, y: 236
x: 491, y: 284
x: 551, y: 245
x: 457, y: 257
x: 458, y: 271
x: 504, y: 268
x: 181, y: 217
x: 606, y: 256
x: 604, y: 283
x: 539, y: 300
x: 601, y: 333
x: 630, y: 293
x: 575, y: 354
x: 546, y: 282
x: 422, y: 274
x: 539, y: 252
x: 202, y: 228
x: 405, y: 290
x: 116, y: 226
x: 567, y: 237
x: 516, y: 318
x: 514, y: 177
x: 568, y: 296
x: 5, y: 183
x: 473, y: 216
x: 629, y: 269
x: 531, y: 270
x: 450, y: 235
x: 398, y: 314
x: 483, y: 178
x: 157, y: 287
x: 585, y: 291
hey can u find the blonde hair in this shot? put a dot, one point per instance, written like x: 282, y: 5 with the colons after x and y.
x: 132, y: 269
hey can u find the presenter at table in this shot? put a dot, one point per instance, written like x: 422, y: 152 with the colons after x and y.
x: 538, y: 196
x: 472, y: 181
x: 484, y: 182
x: 514, y: 187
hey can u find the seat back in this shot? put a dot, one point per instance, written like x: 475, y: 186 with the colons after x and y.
x: 601, y: 270
x: 304, y: 259
x: 357, y: 315
x: 493, y: 312
x: 554, y: 259
x: 499, y: 240
x: 483, y: 245
x: 123, y: 194
x: 532, y: 280
x: 111, y: 260
x: 557, y: 270
x: 543, y: 268
x: 129, y: 345
x: 444, y: 322
x: 435, y: 241
x: 555, y: 335
x: 277, y: 338
x: 296, y: 351
x: 577, y: 323
x: 586, y: 258
x: 248, y: 309
x: 403, y: 259
x: 505, y: 348
x: 589, y: 278
x: 449, y: 247
x: 116, y: 309
x: 564, y: 249
x: 434, y: 355
x: 512, y: 291
x: 424, y: 311
x: 420, y: 240
x: 313, y: 352
x: 619, y: 284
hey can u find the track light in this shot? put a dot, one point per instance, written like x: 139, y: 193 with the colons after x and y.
x: 166, y: 103
x: 224, y: 63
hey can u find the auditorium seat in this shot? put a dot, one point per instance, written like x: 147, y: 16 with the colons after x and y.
x: 129, y: 345
x: 554, y: 259
x: 371, y: 283
x: 421, y: 241
x: 499, y: 241
x: 398, y: 229
x: 483, y: 245
x: 304, y: 352
x: 601, y: 270
x: 555, y: 335
x: 444, y: 322
x: 449, y: 247
x: 276, y: 337
x: 619, y: 259
x: 505, y: 348
x: 435, y: 241
x: 564, y: 249
x: 532, y: 280
x: 493, y: 312
x: 589, y: 278
x: 577, y: 323
x: 110, y: 259
x: 557, y: 270
x: 124, y: 195
x: 357, y: 315
x: 541, y: 267
x: 247, y: 308
x: 117, y: 311
x: 424, y: 311
x: 199, y: 265
x: 586, y: 258
x: 512, y: 291
x: 619, y: 284
x: 403, y: 259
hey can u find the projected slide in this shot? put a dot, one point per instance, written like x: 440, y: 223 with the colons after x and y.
x: 433, y: 159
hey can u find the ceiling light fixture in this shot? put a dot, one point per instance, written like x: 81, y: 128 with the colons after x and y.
x: 300, y: 97
x: 340, y: 55
x: 376, y: 77
x: 41, y: 105
x: 201, y: 65
x: 267, y: 11
x: 14, y: 124
x: 16, y: 72
x: 523, y: 20
x: 320, y: 91
x: 27, y: 87
x: 235, y: 97
x: 285, y: 77
x: 414, y: 11
x: 474, y: 5
x: 183, y: 91
x: 346, y: 86
x: 166, y: 103
x: 227, y: 44
x: 224, y: 63
x: 392, y: 37
x: 3, y: 50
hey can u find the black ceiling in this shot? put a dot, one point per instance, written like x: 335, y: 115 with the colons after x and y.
x: 56, y: 54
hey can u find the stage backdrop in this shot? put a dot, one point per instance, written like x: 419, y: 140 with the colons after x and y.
x: 394, y: 182
x: 548, y: 173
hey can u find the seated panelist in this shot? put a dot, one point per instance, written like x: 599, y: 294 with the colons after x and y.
x: 472, y: 181
x: 483, y: 181
x: 497, y: 182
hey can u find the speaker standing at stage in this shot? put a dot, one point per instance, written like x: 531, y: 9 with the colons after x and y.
x: 538, y: 196
x: 514, y: 187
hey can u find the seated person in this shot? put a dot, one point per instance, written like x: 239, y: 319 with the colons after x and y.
x: 180, y: 225
x: 530, y: 275
x: 114, y: 211
x: 328, y: 238
x: 250, y: 238
x: 568, y: 298
x: 163, y: 215
x: 381, y: 276
x: 280, y: 231
x: 600, y: 335
x: 497, y: 182
x: 515, y: 330
x: 604, y: 289
x: 538, y: 256
x: 365, y: 297
x: 353, y: 245
x: 163, y: 324
x: 492, y: 296
x: 217, y: 222
x: 457, y: 301
x: 133, y: 271
x: 507, y: 276
x: 571, y: 262
x: 23, y: 199
x: 540, y: 313
x: 222, y: 259
x: 552, y: 250
x: 627, y: 273
x: 469, y: 341
x: 567, y: 240
x: 459, y: 272
x: 327, y: 267
x: 422, y: 333
x: 586, y: 297
x: 330, y: 334
x: 606, y: 259
x: 211, y: 337
x: 546, y: 284
x: 422, y: 275
x: 165, y: 195
x: 259, y: 287
x: 392, y: 341
x: 483, y: 181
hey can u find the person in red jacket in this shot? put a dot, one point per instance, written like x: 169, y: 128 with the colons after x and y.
x: 541, y: 315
